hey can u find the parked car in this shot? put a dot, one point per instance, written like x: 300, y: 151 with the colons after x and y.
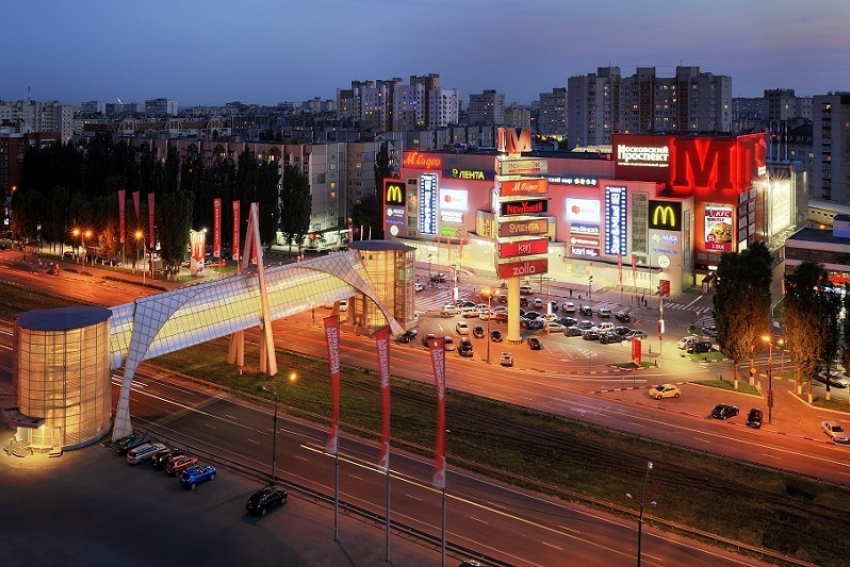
x: 532, y: 315
x: 449, y: 310
x: 586, y: 310
x: 697, y: 347
x: 636, y: 334
x: 468, y: 312
x: 590, y: 335
x: 178, y: 464
x: 622, y: 331
x: 506, y: 359
x: 195, y: 475
x: 568, y: 321
x: 462, y: 328
x: 623, y: 316
x: 835, y: 431
x: 418, y: 286
x: 835, y: 380
x: 439, y: 277
x: 160, y: 458
x: 128, y: 443
x: 685, y: 341
x: 407, y: 336
x: 448, y: 343
x: 754, y: 418
x: 568, y: 307
x: 523, y: 301
x: 573, y: 331
x: 534, y: 343
x: 143, y: 453
x: 610, y: 337
x: 604, y: 327
x: 550, y: 318
x: 464, y: 348
x: 478, y: 332
x: 724, y: 411
x: 501, y: 317
x: 664, y: 391
x: 584, y: 325
x: 427, y: 338
x: 552, y: 327
x: 534, y: 325
x: 265, y: 499
x: 604, y: 312
x: 709, y: 331
x: 526, y: 289
x: 496, y: 336
x: 343, y: 305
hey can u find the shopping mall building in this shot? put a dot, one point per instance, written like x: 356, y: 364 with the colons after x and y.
x: 653, y: 215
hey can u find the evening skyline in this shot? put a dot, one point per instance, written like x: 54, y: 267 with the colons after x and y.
x: 267, y: 52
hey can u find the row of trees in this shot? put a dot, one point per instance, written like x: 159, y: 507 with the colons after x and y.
x: 817, y: 332
x: 67, y: 187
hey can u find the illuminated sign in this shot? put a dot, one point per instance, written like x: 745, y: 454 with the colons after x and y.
x: 581, y: 241
x: 451, y: 216
x: 428, y: 203
x: 718, y: 228
x: 583, y: 181
x: 664, y: 261
x: 508, y: 166
x: 395, y: 222
x: 615, y: 220
x: 524, y: 248
x: 524, y: 187
x: 584, y: 252
x: 589, y: 229
x: 419, y: 160
x: 515, y: 269
x: 780, y: 205
x: 517, y: 228
x: 513, y: 141
x: 453, y: 200
x: 530, y: 207
x: 643, y: 156
x: 668, y: 239
x: 470, y: 174
x: 391, y: 212
x: 394, y: 192
x: 711, y: 167
x: 665, y: 215
x: 394, y: 230
x: 583, y: 210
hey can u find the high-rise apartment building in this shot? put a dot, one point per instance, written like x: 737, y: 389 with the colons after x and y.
x: 831, y: 147
x: 604, y: 102
x: 783, y: 104
x: 161, y: 107
x: 486, y: 109
x: 443, y: 108
x: 24, y: 117
x: 552, y: 116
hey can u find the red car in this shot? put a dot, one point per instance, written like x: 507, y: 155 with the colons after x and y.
x: 179, y: 464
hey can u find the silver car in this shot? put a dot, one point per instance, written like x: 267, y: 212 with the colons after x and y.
x: 834, y: 430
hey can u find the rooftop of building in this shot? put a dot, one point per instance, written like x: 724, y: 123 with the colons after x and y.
x: 63, y: 318
x: 379, y: 246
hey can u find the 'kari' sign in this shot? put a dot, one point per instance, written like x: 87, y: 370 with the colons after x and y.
x: 523, y: 248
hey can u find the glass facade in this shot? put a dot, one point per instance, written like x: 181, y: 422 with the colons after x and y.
x: 390, y: 268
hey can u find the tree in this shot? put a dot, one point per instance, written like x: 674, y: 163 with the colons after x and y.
x: 27, y: 212
x: 742, y: 304
x: 174, y: 214
x: 56, y: 226
x: 268, y: 180
x: 367, y: 212
x: 296, y: 204
x: 803, y: 318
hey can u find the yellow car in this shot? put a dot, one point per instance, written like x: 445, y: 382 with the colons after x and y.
x: 664, y: 391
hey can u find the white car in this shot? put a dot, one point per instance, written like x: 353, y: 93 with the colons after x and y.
x: 685, y: 341
x: 552, y: 327
x: 835, y: 431
x: 449, y: 310
x: 343, y: 306
x: 418, y: 286
x: 569, y: 307
x: 462, y: 328
x: 449, y: 343
x: 468, y: 312
x: 486, y: 315
x: 507, y: 359
x: 603, y: 327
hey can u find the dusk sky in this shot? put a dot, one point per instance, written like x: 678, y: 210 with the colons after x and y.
x: 268, y: 51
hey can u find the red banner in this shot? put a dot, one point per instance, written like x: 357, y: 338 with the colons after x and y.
x: 637, y: 352
x: 151, y: 222
x: 524, y: 187
x: 216, y: 228
x: 122, y: 196
x: 235, y: 244
x: 437, y: 350
x: 523, y: 248
x: 136, y: 204
x: 332, y: 339
x: 619, y: 268
x: 382, y: 342
x: 634, y: 265
x: 530, y: 268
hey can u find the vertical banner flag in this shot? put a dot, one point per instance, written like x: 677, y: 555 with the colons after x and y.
x: 636, y: 352
x: 634, y: 266
x: 256, y: 244
x: 136, y: 204
x: 122, y: 202
x: 437, y: 350
x: 151, y: 223
x: 382, y: 342
x: 216, y: 228
x: 620, y: 268
x: 332, y: 338
x: 235, y: 244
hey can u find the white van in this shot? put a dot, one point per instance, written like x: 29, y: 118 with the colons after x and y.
x: 143, y: 452
x: 603, y: 327
x: 449, y: 310
x: 526, y: 289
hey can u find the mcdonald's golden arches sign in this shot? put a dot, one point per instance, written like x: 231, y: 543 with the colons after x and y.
x: 665, y: 215
x: 394, y: 192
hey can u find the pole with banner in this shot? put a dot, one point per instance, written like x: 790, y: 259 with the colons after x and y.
x: 620, y: 274
x: 382, y: 343
x: 437, y: 350
x: 236, y: 231
x: 332, y: 446
x: 122, y: 223
x: 637, y: 357
x: 151, y: 225
x: 634, y: 272
x: 217, y: 234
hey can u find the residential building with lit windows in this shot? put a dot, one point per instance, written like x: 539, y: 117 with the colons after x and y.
x: 552, y: 115
x: 831, y: 147
x: 828, y: 247
x: 487, y: 108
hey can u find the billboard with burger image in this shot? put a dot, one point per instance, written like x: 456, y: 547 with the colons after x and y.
x: 719, y: 227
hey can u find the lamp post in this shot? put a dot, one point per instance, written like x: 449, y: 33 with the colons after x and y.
x: 429, y: 269
x: 640, y: 512
x: 488, y: 291
x: 140, y: 237
x: 76, y: 233
x: 766, y: 338
x: 274, y: 434
x: 589, y: 284
x: 87, y: 235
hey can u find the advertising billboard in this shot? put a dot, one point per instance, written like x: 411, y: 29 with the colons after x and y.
x: 520, y: 166
x: 780, y: 205
x: 523, y: 248
x: 615, y: 220
x: 719, y: 228
x: 524, y: 187
x: 529, y: 207
x: 584, y: 252
x: 519, y: 228
x: 529, y: 268
x: 641, y: 157
x: 428, y: 203
x: 581, y: 228
x: 665, y: 215
x: 583, y: 210
x: 454, y: 200
x: 393, y: 192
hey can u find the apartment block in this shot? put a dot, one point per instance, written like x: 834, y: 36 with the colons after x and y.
x: 831, y: 147
x: 552, y: 116
x: 486, y: 109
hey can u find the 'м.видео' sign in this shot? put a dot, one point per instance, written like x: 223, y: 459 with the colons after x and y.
x: 516, y: 269
x: 524, y: 248
x: 524, y: 187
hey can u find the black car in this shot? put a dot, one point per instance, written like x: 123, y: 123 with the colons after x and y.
x: 608, y: 338
x: 531, y: 315
x: 586, y: 310
x: 724, y: 411
x: 439, y: 277
x: 407, y: 336
x: 698, y: 347
x: 131, y: 442
x: 590, y: 335
x: 623, y: 316
x: 428, y: 337
x: 478, y: 332
x: 465, y: 347
x: 573, y: 331
x: 496, y: 336
x: 264, y: 500
x: 534, y: 343
x: 568, y: 321
x: 754, y: 418
x: 523, y: 301
x: 622, y: 331
x: 160, y: 458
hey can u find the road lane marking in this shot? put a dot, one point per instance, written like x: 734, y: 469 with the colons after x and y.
x: 253, y: 441
x: 486, y: 523
x: 413, y: 497
x: 354, y: 476
x: 552, y: 546
x: 565, y: 528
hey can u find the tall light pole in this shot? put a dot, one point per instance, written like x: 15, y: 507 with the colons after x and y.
x: 140, y: 237
x: 274, y: 434
x: 76, y: 233
x: 429, y: 269
x: 87, y: 235
x: 589, y: 284
x: 766, y: 338
x: 488, y: 291
x: 640, y: 513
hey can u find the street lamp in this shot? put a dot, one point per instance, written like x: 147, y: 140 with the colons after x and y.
x: 429, y: 268
x: 76, y: 233
x: 87, y: 235
x: 589, y: 283
x: 140, y: 237
x: 766, y: 338
x: 488, y: 291
x: 640, y: 513
x: 274, y: 434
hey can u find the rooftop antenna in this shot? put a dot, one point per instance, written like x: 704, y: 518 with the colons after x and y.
x: 29, y: 95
